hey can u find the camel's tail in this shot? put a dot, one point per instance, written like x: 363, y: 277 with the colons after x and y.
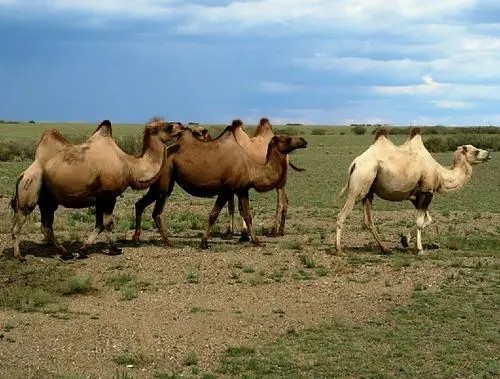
x: 299, y: 169
x: 346, y: 187
x: 14, y: 200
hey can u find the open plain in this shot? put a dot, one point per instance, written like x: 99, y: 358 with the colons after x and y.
x: 291, y: 308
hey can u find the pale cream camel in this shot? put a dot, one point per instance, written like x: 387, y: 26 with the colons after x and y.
x: 406, y: 172
x: 93, y: 173
x: 221, y: 168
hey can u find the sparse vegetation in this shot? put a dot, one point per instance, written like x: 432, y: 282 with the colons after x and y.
x: 273, y: 293
x: 77, y: 285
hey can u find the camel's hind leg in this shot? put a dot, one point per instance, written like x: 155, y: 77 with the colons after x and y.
x: 358, y: 186
x: 244, y: 202
x: 23, y: 202
x: 19, y: 218
x: 214, y: 214
x: 48, y: 207
x: 281, y: 212
x: 368, y: 221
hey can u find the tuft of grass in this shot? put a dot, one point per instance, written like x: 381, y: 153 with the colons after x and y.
x: 193, y: 277
x: 307, y: 261
x: 77, y: 285
x: 119, y: 374
x: 129, y: 291
x: 190, y: 359
x: 292, y: 245
x: 124, y: 360
x: 120, y: 280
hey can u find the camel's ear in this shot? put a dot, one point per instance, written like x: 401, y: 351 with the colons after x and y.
x: 274, y: 141
x: 464, y: 149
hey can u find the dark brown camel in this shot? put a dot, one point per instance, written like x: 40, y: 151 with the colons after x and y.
x: 221, y: 168
x: 256, y: 147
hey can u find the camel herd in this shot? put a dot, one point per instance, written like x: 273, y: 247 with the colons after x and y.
x: 97, y: 171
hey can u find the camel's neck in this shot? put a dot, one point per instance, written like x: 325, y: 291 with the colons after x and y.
x: 273, y: 173
x: 146, y: 168
x: 454, y: 178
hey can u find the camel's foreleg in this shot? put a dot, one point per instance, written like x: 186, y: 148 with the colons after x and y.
x: 230, y: 211
x: 244, y: 231
x: 281, y: 212
x: 140, y: 206
x: 244, y: 202
x: 222, y: 199
x: 105, y: 204
x: 423, y: 199
x: 157, y: 216
x: 368, y: 222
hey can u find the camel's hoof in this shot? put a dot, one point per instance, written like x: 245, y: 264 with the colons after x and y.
x: 386, y: 251
x: 114, y: 251
x: 257, y: 242
x: 204, y: 244
x: 65, y: 256
x: 405, y: 240
x: 136, y: 238
x: 433, y: 246
x: 22, y: 259
x: 244, y: 237
x: 82, y: 255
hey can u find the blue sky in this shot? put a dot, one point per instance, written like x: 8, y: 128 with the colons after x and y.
x: 404, y: 62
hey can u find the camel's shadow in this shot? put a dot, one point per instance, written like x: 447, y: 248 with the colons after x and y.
x: 47, y: 250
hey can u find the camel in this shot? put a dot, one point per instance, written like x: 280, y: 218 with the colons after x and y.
x: 92, y: 173
x: 221, y: 168
x: 406, y: 172
x: 256, y: 147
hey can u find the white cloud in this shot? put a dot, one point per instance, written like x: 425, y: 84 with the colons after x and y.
x: 278, y: 87
x: 450, y: 104
x: 429, y: 87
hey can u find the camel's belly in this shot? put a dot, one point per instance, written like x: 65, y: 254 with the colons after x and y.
x: 72, y: 202
x: 391, y: 192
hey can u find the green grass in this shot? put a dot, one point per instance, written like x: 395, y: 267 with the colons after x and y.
x: 452, y: 333
x: 77, y: 285
x: 30, y: 288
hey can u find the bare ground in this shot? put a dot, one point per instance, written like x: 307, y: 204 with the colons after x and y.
x: 198, y: 301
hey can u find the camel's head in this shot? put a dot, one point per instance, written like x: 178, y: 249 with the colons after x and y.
x: 473, y: 155
x: 286, y: 144
x: 165, y: 131
x: 200, y: 133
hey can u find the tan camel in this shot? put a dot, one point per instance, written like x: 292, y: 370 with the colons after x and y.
x: 221, y: 168
x: 256, y: 147
x: 406, y: 172
x: 93, y: 173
